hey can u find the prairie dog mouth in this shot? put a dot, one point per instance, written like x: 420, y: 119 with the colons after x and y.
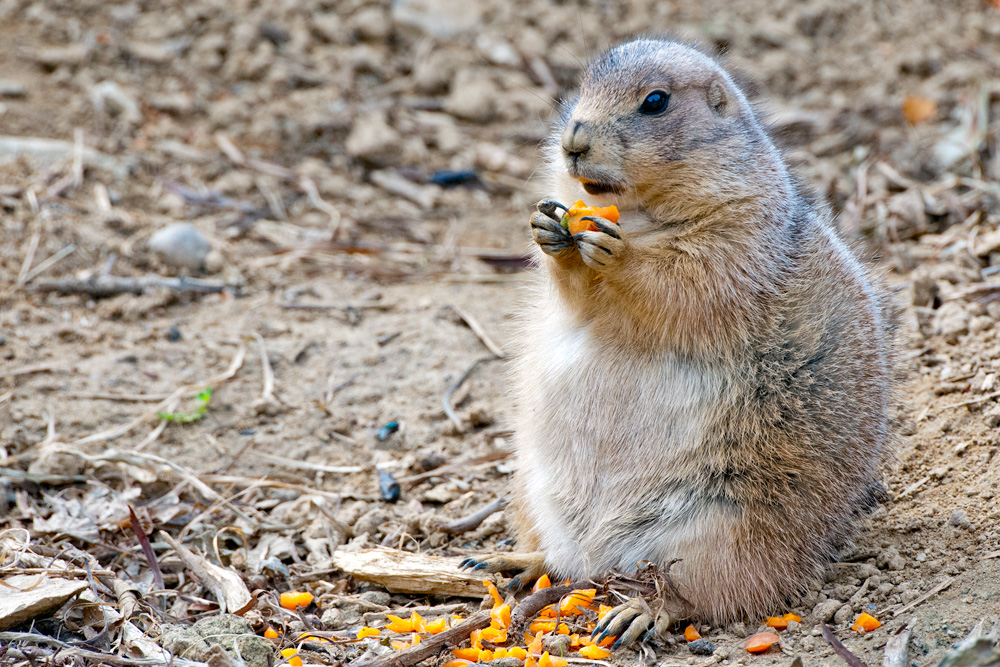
x: 598, y: 188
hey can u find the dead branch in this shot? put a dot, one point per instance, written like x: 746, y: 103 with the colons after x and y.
x: 432, y: 646
x: 103, y: 285
x: 839, y: 648
x: 473, y: 520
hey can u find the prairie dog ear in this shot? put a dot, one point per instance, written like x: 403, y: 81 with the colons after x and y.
x: 718, y: 98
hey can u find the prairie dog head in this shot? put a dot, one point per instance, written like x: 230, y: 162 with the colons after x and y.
x: 660, y: 128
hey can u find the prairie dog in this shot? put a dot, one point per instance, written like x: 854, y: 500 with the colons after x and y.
x: 708, y: 381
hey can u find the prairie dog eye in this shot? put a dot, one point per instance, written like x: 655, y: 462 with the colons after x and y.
x: 655, y: 102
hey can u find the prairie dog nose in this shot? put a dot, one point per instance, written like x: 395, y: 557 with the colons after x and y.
x: 576, y: 138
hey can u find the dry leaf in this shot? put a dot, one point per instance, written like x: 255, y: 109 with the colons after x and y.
x: 24, y: 597
x: 226, y: 585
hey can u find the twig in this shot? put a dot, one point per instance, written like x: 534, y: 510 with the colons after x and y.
x: 974, y: 401
x: 478, y: 329
x: 923, y: 598
x: 28, y: 370
x: 108, y: 396
x: 48, y: 262
x: 452, y: 467
x: 432, y: 646
x: 473, y: 520
x: 267, y: 396
x: 275, y: 484
x: 448, y: 410
x: 72, y: 572
x: 897, y: 648
x: 42, y: 478
x: 97, y: 656
x: 29, y: 257
x: 103, y: 285
x: 839, y: 648
x: 535, y: 602
x: 312, y: 194
x: 304, y: 465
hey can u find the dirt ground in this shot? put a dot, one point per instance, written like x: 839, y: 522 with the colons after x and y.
x: 364, y: 172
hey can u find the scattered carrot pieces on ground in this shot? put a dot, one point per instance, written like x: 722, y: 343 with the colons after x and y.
x: 292, y: 655
x: 866, y: 622
x: 781, y: 622
x: 271, y: 633
x: 594, y: 652
x: 295, y: 599
x: 551, y: 661
x: 761, y: 641
x: 691, y: 633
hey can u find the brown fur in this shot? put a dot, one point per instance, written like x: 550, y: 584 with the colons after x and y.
x: 714, y: 385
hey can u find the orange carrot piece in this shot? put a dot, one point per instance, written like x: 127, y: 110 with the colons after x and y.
x: 543, y: 582
x: 573, y: 220
x: 485, y: 655
x: 517, y: 652
x: 781, y: 622
x: 437, y: 626
x: 399, y: 644
x: 477, y: 639
x: 294, y: 599
x: 761, y: 641
x: 529, y: 661
x: 457, y: 663
x: 292, y: 656
x: 866, y: 622
x: 470, y: 654
x: 497, y: 600
x: 594, y: 652
x: 501, y: 615
x: 397, y: 624
x: 535, y: 645
x: 271, y: 633
x: 691, y: 633
x: 368, y: 632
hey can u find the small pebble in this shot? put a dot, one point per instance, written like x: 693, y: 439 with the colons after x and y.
x: 701, y: 647
x: 173, y: 334
x: 181, y: 246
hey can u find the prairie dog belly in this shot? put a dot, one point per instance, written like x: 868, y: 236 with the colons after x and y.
x: 606, y: 437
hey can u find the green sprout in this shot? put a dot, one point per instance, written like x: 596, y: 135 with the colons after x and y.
x: 202, y: 399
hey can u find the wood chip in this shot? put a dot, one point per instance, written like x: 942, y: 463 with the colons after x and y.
x: 405, y: 572
x: 24, y: 597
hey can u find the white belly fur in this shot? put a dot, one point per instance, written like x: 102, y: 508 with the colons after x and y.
x: 587, y: 411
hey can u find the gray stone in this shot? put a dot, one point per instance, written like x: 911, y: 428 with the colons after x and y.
x: 826, y: 610
x: 232, y: 633
x: 701, y: 647
x: 474, y: 96
x: 181, y: 246
x: 376, y: 597
x: 373, y: 140
x: 443, y: 19
x: 951, y: 321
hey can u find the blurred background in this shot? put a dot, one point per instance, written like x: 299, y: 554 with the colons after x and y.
x: 337, y: 190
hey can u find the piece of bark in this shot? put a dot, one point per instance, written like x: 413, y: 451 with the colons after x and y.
x: 24, y: 597
x: 226, y: 585
x: 432, y: 646
x: 405, y: 572
x: 897, y: 650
